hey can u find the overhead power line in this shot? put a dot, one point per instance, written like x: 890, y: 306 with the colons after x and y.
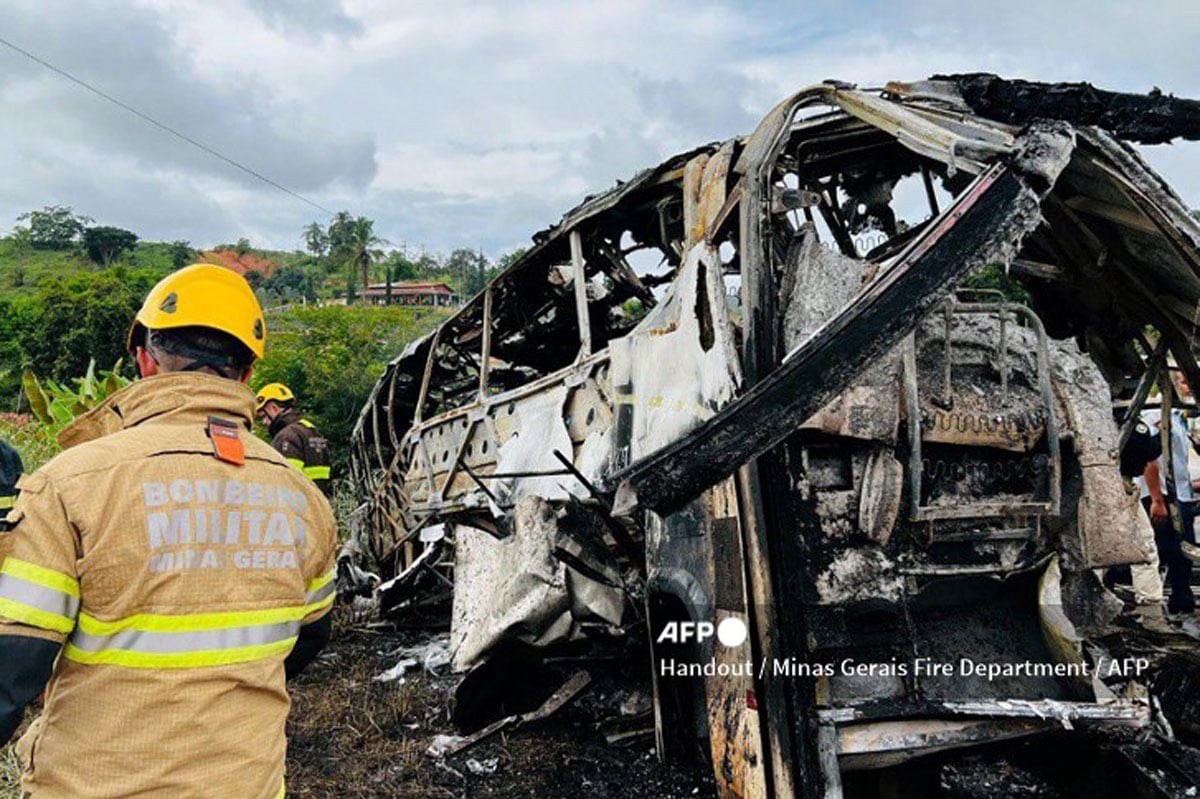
x: 161, y: 126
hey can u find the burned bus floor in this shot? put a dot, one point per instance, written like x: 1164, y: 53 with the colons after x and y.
x: 825, y: 416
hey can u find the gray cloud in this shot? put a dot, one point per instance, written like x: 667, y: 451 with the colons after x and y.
x: 131, y: 55
x: 456, y: 123
x: 427, y: 221
x: 307, y: 18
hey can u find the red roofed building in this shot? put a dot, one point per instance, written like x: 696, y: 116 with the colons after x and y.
x: 433, y: 294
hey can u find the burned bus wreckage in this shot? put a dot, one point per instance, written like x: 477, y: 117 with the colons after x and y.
x: 750, y: 388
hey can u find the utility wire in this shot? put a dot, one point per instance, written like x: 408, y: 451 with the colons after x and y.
x: 161, y: 126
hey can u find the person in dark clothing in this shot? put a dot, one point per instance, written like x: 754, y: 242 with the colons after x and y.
x: 1143, y: 446
x: 10, y: 471
x: 296, y: 438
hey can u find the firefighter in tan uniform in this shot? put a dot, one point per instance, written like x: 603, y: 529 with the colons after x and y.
x: 165, y: 572
x: 294, y: 436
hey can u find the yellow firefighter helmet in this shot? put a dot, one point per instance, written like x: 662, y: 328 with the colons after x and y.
x: 273, y: 391
x: 203, y: 295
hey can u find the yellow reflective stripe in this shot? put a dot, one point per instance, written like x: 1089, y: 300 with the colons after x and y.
x: 34, y: 617
x: 181, y: 643
x: 33, y: 598
x: 193, y: 622
x: 316, y: 472
x: 308, y: 424
x: 299, y: 464
x: 180, y: 660
x: 282, y: 791
x: 320, y: 604
x: 190, y: 641
x: 320, y: 593
x: 47, y: 578
x: 320, y: 582
x: 7, y: 502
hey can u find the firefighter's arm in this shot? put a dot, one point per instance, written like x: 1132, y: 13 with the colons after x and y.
x: 286, y: 445
x: 1158, y: 505
x: 28, y: 663
x: 314, y: 637
x: 39, y: 595
x: 321, y: 577
x: 295, y: 447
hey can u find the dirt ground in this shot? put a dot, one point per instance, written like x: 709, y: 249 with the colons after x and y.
x: 353, y: 736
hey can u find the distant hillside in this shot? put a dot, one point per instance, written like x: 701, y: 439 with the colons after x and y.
x: 23, y: 268
x: 243, y: 263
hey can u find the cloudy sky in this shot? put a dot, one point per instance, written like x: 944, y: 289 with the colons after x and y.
x: 475, y: 124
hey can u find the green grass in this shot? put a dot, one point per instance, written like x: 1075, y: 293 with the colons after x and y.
x: 36, y: 442
x: 154, y: 255
x: 22, y: 269
x: 10, y: 774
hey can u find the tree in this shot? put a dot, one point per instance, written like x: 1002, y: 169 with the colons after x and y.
x: 510, y: 258
x: 354, y: 245
x: 20, y: 239
x: 242, y: 247
x: 469, y: 269
x: 995, y: 278
x: 181, y: 254
x: 397, y: 267
x: 11, y: 357
x: 428, y: 265
x: 316, y: 240
x: 55, y: 227
x: 74, y: 320
x: 287, y: 284
x: 104, y: 245
x: 338, y: 236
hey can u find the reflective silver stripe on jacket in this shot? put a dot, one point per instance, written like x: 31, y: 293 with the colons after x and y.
x: 313, y: 597
x: 172, y: 643
x: 37, y: 596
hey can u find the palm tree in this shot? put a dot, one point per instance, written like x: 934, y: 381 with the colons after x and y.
x: 366, y: 247
x: 353, y: 242
x: 316, y: 239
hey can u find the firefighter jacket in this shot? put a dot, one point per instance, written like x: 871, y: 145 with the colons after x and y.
x: 303, y: 445
x: 178, y: 582
x: 10, y: 470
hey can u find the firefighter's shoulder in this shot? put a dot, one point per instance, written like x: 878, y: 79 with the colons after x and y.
x: 99, y: 454
x: 267, y: 456
x: 261, y: 450
x: 290, y: 434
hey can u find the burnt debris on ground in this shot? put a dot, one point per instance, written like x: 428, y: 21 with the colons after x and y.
x: 352, y: 733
